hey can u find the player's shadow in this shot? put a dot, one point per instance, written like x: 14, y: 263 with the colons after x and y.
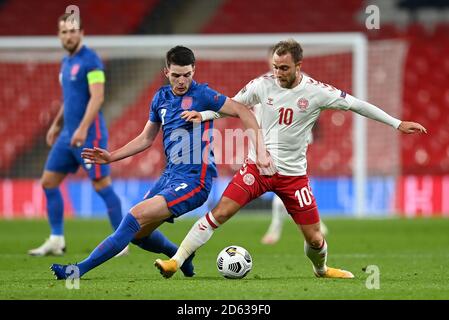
x: 258, y: 278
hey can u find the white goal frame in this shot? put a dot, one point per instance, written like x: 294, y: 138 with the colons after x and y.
x: 356, y: 41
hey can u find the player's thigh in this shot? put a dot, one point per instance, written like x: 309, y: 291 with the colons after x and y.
x: 159, y: 185
x: 297, y: 196
x: 61, y: 159
x: 150, y: 211
x: 184, y: 193
x: 246, y: 185
x: 95, y: 171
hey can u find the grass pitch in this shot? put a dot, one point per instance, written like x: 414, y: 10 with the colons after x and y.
x: 412, y: 256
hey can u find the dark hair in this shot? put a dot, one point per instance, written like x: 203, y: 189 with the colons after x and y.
x: 68, y: 16
x: 180, y: 56
x: 289, y: 46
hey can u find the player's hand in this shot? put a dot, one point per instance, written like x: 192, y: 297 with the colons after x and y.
x: 265, y: 164
x: 96, y: 155
x: 192, y: 116
x: 52, y: 135
x: 411, y: 127
x: 78, y: 138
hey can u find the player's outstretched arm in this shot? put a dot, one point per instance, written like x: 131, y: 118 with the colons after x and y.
x: 371, y: 111
x: 143, y: 141
x: 411, y: 127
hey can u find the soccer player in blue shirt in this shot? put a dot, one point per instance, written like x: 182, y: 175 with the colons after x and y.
x: 79, y: 123
x: 187, y: 179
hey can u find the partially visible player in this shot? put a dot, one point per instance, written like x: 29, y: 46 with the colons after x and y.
x: 187, y: 179
x: 79, y: 123
x: 290, y: 105
x: 278, y: 213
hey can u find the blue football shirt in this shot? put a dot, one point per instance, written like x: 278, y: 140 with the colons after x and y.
x: 187, y: 145
x: 77, y: 72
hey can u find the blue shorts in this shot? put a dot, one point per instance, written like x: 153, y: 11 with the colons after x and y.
x: 64, y: 158
x: 183, y: 193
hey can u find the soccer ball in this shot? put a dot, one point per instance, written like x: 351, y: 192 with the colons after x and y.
x: 234, y: 262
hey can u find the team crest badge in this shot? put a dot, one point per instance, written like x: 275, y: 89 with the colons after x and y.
x: 248, y: 179
x: 303, y: 104
x: 186, y: 103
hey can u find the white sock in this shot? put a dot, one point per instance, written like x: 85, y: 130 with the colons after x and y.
x: 57, y: 238
x: 318, y: 256
x: 277, y: 217
x: 198, y: 235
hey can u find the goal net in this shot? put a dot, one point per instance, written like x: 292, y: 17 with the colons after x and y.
x: 352, y: 162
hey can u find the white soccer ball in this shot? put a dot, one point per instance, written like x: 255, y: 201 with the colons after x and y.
x: 234, y: 262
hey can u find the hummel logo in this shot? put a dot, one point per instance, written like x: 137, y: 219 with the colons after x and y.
x: 202, y: 227
x: 270, y: 101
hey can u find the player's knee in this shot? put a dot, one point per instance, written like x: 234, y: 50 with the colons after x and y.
x: 315, y: 240
x: 313, y: 237
x: 101, y: 183
x: 220, y: 215
x: 136, y: 212
x: 48, y: 183
x: 225, y: 210
x: 141, y: 215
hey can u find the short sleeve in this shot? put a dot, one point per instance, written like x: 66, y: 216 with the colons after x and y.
x: 95, y: 70
x: 212, y: 100
x: 333, y: 98
x: 154, y: 115
x: 248, y: 94
x: 94, y: 63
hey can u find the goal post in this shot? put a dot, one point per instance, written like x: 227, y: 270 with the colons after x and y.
x: 227, y: 63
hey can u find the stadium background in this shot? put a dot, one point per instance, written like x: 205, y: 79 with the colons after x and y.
x: 408, y: 71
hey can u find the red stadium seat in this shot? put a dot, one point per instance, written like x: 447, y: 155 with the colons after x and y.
x: 252, y: 16
x: 426, y: 101
x: 20, y: 95
x: 149, y: 163
x: 21, y: 17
